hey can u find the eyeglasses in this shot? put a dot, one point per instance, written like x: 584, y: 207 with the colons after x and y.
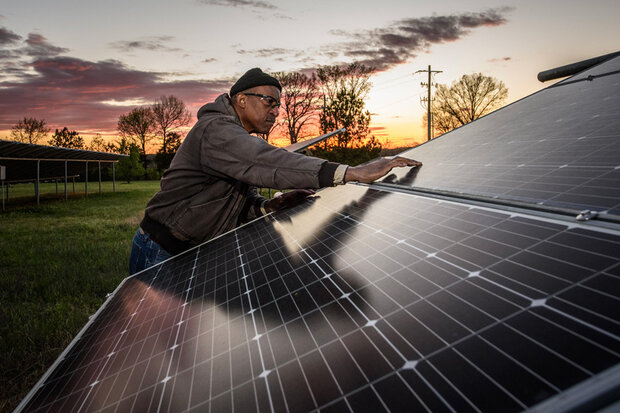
x: 271, y: 101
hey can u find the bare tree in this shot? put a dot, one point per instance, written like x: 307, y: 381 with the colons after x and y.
x: 169, y: 113
x: 29, y: 130
x: 299, y: 102
x: 138, y: 126
x: 466, y: 100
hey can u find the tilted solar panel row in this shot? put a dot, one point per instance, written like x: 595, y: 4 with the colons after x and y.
x: 559, y: 147
x: 364, y: 300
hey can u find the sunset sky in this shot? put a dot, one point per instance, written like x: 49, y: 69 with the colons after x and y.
x: 82, y: 63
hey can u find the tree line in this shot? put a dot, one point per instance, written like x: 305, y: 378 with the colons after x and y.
x: 330, y: 98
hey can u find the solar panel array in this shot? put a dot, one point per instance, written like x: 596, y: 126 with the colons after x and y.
x: 559, y: 147
x: 379, y: 299
x: 364, y: 300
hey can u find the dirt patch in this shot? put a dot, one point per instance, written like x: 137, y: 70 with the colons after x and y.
x: 135, y: 219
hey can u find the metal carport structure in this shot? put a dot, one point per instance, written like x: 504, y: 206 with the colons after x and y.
x: 22, y: 162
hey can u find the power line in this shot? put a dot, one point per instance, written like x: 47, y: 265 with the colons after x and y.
x: 428, y: 100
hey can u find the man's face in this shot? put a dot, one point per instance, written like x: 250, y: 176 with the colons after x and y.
x: 259, y: 108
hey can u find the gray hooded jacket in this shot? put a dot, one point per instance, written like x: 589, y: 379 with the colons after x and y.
x: 210, y: 187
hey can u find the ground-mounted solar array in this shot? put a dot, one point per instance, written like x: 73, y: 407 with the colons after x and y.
x: 559, y: 147
x: 363, y: 300
x: 383, y: 298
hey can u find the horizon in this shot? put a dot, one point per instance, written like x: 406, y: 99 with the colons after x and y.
x: 84, y: 68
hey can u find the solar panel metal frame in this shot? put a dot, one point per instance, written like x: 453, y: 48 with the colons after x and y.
x: 300, y: 146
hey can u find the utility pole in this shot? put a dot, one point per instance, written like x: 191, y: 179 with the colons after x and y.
x: 428, y: 100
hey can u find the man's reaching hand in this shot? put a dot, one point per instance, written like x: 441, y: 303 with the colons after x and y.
x: 375, y: 169
x: 288, y: 199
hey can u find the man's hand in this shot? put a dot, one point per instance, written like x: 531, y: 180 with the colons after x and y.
x: 288, y: 199
x: 375, y: 169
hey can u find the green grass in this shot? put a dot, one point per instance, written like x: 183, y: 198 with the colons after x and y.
x: 24, y: 193
x: 57, y: 263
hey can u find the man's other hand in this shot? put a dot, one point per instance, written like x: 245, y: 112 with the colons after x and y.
x: 375, y: 169
x: 288, y: 199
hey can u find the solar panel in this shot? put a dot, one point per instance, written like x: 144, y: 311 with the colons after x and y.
x: 362, y: 299
x: 300, y: 146
x: 559, y: 147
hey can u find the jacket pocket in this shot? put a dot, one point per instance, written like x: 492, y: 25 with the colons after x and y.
x: 201, y: 221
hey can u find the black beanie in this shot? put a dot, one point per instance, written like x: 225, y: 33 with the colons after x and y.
x: 254, y: 77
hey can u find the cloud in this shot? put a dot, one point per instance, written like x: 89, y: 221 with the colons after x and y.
x: 8, y: 37
x: 153, y: 44
x: 266, y: 52
x: 90, y: 96
x: 38, y: 46
x: 500, y: 59
x: 240, y: 3
x: 386, y: 47
x: 9, y: 55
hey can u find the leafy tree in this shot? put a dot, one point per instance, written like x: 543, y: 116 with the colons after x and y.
x: 163, y: 159
x: 29, y: 130
x: 169, y: 113
x: 98, y: 144
x: 67, y: 139
x: 130, y: 168
x: 120, y: 146
x: 299, y: 102
x: 344, y: 90
x: 466, y: 100
x: 138, y: 125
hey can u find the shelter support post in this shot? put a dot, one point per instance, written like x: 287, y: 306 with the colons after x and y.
x: 99, y: 164
x: 66, y: 197
x: 113, y: 177
x: 36, y: 184
x: 86, y: 180
x: 2, y: 178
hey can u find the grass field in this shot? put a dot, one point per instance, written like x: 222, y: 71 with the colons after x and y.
x: 57, y: 263
x: 24, y: 193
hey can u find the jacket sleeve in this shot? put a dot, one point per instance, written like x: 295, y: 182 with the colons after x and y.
x: 228, y: 149
x: 252, y: 207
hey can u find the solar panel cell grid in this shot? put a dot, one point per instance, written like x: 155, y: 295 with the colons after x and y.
x: 448, y: 306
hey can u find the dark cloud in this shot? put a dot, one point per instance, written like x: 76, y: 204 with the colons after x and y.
x: 154, y: 44
x: 8, y: 37
x: 240, y: 3
x: 71, y: 92
x: 38, y: 46
x: 386, y: 47
x: 500, y: 59
x: 9, y: 55
x: 266, y: 52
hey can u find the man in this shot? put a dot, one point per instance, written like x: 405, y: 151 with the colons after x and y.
x: 210, y: 187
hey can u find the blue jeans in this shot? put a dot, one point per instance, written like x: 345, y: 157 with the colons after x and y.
x: 145, y: 253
